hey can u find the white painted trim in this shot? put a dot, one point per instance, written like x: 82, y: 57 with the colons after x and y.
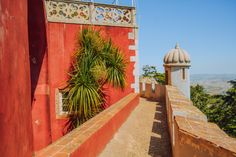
x: 136, y: 65
x: 132, y: 47
x: 134, y: 36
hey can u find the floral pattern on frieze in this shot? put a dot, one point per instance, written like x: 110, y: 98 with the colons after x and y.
x: 88, y: 13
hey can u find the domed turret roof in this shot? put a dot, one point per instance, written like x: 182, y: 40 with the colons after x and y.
x: 177, y: 57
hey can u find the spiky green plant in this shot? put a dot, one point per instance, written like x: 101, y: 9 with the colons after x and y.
x: 96, y: 62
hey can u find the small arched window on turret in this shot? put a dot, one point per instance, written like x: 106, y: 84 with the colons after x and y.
x: 166, y: 77
x: 183, y: 74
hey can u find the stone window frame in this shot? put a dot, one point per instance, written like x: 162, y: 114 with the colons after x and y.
x: 59, y: 105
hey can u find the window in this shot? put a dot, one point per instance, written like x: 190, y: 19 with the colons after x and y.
x: 183, y: 74
x: 62, y: 107
x: 166, y: 77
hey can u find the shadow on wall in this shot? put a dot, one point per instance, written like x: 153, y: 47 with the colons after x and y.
x: 37, y: 44
x: 160, y: 142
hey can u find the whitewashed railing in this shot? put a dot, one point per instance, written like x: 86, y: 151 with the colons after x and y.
x: 74, y: 11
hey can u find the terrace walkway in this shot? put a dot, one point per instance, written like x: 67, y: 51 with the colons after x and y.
x: 143, y: 134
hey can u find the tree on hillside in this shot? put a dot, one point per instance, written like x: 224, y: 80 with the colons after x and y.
x: 160, y: 78
x: 151, y: 72
x: 199, y: 97
x: 214, y: 110
x: 228, y: 121
x: 220, y: 109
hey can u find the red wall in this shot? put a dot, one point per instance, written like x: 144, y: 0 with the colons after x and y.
x: 39, y: 75
x: 61, y: 44
x: 15, y: 110
x: 94, y: 145
x: 51, y: 48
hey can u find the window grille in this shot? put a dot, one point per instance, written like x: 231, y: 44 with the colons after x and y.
x: 61, y: 103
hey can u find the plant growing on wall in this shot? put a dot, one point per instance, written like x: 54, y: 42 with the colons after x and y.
x: 96, y: 62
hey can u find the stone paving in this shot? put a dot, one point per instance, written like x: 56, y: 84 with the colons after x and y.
x: 145, y: 133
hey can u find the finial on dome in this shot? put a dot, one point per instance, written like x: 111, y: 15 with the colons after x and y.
x: 177, y: 46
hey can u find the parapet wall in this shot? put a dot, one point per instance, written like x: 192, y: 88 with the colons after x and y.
x: 89, y: 139
x: 191, y: 134
x: 152, y: 91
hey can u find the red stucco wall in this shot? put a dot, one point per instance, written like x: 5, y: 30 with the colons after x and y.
x: 15, y: 110
x: 61, y: 39
x: 94, y: 145
x: 39, y: 75
x: 51, y: 49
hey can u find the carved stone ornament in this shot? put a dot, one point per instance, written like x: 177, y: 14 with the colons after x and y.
x: 89, y: 13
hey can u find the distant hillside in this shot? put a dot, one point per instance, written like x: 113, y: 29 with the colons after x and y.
x: 213, y: 83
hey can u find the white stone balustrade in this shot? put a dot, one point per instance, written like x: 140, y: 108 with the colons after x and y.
x: 80, y: 12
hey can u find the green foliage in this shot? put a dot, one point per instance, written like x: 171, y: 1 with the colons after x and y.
x: 199, y: 97
x: 151, y: 71
x: 160, y: 78
x: 220, y: 109
x: 96, y: 63
x: 228, y: 121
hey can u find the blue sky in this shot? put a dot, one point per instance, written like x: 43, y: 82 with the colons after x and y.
x: 205, y: 28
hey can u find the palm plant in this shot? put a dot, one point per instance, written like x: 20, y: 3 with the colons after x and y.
x: 96, y: 62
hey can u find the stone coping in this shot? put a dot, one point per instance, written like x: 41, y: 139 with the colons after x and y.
x: 70, y: 143
x: 182, y: 106
x: 192, y: 122
x: 187, y: 110
x: 208, y: 133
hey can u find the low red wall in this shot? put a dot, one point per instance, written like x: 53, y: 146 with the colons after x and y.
x: 89, y: 139
x: 97, y: 142
x: 15, y: 110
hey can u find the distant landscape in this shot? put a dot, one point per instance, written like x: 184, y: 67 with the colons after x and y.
x: 213, y: 83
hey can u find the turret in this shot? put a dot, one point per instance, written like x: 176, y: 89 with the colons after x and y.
x: 177, y: 63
